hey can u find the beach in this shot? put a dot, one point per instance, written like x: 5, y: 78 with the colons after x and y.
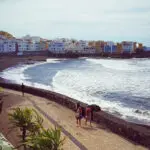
x: 97, y: 137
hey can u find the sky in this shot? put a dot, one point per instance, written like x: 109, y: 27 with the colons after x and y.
x: 110, y: 20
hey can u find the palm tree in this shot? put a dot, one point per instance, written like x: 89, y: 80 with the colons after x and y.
x: 27, y: 120
x: 47, y: 139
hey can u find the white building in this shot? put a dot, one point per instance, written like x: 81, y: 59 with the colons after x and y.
x: 88, y: 50
x: 22, y: 45
x: 31, y: 46
x: 56, y: 47
x: 37, y: 46
x: 76, y: 46
x: 8, y: 46
x: 1, y: 45
x: 32, y: 38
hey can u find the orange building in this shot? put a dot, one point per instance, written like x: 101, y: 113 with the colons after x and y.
x: 140, y: 46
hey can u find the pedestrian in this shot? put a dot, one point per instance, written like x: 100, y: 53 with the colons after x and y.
x: 89, y: 112
x: 1, y: 106
x: 78, y: 115
x: 88, y: 115
x: 22, y: 88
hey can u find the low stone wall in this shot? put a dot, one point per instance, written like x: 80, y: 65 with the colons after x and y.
x: 137, y: 133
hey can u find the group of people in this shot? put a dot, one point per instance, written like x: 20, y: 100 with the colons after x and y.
x: 82, y: 112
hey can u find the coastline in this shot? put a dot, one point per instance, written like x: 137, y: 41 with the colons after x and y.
x: 135, y: 132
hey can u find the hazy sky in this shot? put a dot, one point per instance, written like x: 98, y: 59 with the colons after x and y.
x: 81, y: 19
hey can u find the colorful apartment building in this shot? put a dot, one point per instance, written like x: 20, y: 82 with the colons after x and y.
x: 119, y: 48
x: 110, y: 47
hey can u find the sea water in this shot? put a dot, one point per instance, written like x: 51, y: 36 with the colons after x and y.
x: 119, y: 86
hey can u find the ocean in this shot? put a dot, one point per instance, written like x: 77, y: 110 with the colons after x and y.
x: 119, y: 86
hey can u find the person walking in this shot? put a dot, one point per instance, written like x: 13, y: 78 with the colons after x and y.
x: 1, y: 106
x: 88, y: 115
x: 78, y: 115
x: 22, y: 89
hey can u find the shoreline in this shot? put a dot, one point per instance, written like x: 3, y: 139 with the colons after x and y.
x: 136, y: 133
x: 123, y: 55
x: 30, y: 60
x: 40, y: 59
x: 115, y: 124
x: 86, y: 137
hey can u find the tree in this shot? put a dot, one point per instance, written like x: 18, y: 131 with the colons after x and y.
x: 27, y: 120
x: 34, y: 136
x: 47, y: 139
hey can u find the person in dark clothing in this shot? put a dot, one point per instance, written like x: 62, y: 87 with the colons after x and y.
x: 89, y: 113
x: 22, y: 88
x: 1, y: 106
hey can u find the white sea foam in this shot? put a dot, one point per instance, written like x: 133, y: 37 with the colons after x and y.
x: 92, y: 82
x: 16, y: 73
x: 122, y: 65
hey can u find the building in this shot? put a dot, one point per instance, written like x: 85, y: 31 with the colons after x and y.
x: 146, y: 48
x: 140, y: 46
x: 110, y: 47
x: 56, y: 47
x: 88, y: 50
x: 99, y: 46
x: 8, y: 46
x: 43, y: 45
x: 91, y: 44
x: 119, y: 48
x: 37, y: 46
x: 128, y: 47
x: 1, y: 46
x: 23, y: 45
x: 31, y: 38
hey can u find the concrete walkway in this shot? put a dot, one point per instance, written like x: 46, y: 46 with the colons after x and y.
x: 95, y: 138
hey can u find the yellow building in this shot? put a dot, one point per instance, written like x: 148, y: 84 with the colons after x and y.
x: 100, y: 46
x: 91, y: 44
x: 119, y: 48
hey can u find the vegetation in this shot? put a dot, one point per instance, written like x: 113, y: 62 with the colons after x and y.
x: 49, y: 139
x: 6, y: 34
x: 34, y: 136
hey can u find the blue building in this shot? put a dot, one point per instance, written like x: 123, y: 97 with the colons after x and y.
x: 146, y: 48
x: 1, y: 47
x: 107, y: 49
x: 114, y: 48
x: 110, y: 49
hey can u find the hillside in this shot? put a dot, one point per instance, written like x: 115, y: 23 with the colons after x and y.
x: 6, y: 34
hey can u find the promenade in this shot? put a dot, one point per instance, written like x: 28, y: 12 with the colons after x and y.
x: 96, y: 138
